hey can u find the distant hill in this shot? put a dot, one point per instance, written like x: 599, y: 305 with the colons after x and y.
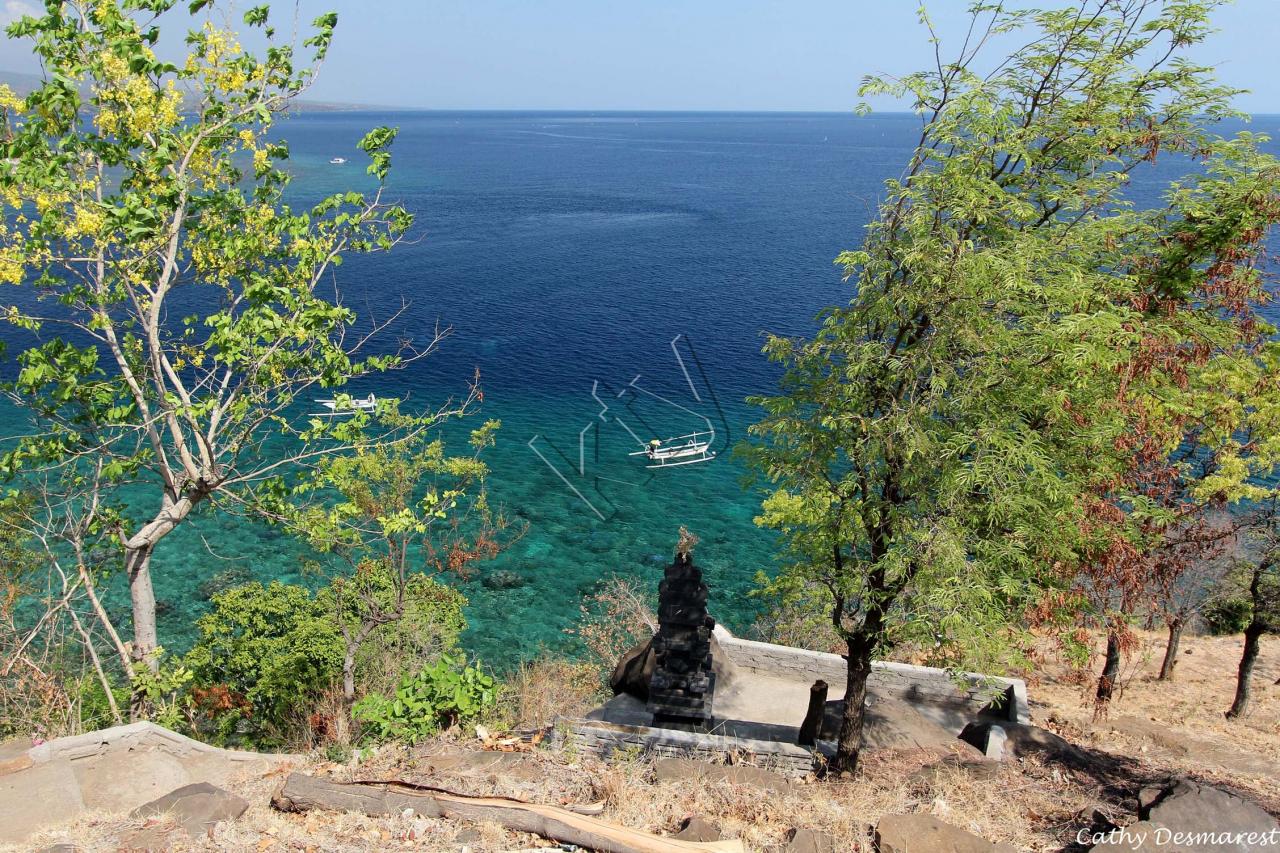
x: 20, y: 83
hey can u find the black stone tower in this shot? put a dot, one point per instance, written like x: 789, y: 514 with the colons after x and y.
x: 681, y: 689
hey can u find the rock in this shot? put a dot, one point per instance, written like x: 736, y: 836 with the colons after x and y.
x: 13, y: 755
x: 688, y: 770
x: 60, y: 847
x: 1224, y: 822
x: 922, y: 833
x: 468, y: 835
x: 634, y: 671
x: 197, y: 808
x: 809, y: 841
x: 698, y: 828
x: 1147, y: 798
x: 503, y: 579
x: 994, y: 747
x: 1023, y: 740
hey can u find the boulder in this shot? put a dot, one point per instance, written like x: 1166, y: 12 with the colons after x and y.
x: 1022, y: 740
x: 13, y: 755
x: 197, y: 808
x: 702, y: 772
x: 120, y: 781
x: 698, y: 828
x: 922, y: 833
x: 1211, y: 820
x: 809, y: 841
x: 634, y: 671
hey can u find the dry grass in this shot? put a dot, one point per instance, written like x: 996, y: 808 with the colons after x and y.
x: 547, y: 688
x: 1178, y: 725
x: 1033, y: 806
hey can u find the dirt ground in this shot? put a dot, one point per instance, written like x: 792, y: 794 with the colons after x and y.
x: 1154, y: 731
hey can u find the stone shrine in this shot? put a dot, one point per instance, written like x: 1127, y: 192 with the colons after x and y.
x: 683, y: 683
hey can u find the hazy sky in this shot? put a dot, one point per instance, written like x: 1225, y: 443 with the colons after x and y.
x: 664, y: 54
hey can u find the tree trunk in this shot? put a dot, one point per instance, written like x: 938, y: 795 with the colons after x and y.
x: 1110, y: 669
x: 349, y: 675
x: 137, y: 563
x: 1171, y: 650
x: 849, y: 745
x: 1252, y: 636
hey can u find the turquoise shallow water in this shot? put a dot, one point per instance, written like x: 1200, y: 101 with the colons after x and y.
x: 568, y: 250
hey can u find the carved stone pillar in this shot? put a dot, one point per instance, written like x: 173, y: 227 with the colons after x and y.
x: 683, y: 683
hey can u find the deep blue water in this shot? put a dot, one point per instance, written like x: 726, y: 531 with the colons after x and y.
x: 570, y: 249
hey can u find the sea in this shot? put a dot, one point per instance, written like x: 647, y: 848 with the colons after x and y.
x: 612, y: 278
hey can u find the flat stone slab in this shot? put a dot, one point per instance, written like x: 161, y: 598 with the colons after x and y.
x: 197, y: 808
x: 112, y: 770
x: 118, y: 782
x: 37, y: 798
x: 923, y: 833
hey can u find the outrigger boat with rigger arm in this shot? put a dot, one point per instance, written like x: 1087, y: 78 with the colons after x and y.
x: 681, y: 450
x: 338, y: 408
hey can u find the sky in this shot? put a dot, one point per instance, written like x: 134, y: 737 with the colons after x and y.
x: 664, y: 54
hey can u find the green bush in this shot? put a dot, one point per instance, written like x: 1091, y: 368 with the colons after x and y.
x: 268, y: 653
x: 435, y: 697
x: 430, y: 626
x: 1225, y: 616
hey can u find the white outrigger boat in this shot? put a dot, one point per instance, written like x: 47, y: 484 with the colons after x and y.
x: 348, y: 407
x: 681, y: 450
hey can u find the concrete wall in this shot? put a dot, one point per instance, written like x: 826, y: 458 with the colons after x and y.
x: 920, y: 685
x: 604, y: 739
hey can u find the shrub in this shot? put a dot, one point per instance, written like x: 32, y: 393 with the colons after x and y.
x: 614, y: 619
x: 437, y: 696
x: 430, y: 626
x: 539, y: 691
x: 270, y: 652
x: 1224, y: 616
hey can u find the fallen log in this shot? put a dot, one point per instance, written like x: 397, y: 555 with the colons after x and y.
x: 301, y: 792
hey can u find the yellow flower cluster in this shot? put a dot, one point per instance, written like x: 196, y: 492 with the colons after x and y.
x: 131, y: 103
x: 9, y: 102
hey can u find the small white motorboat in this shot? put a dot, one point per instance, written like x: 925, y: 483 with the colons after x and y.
x: 348, y: 407
x: 681, y: 450
x: 338, y: 161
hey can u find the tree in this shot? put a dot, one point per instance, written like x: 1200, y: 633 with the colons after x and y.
x: 56, y: 544
x: 183, y: 307
x: 950, y: 446
x: 400, y: 507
